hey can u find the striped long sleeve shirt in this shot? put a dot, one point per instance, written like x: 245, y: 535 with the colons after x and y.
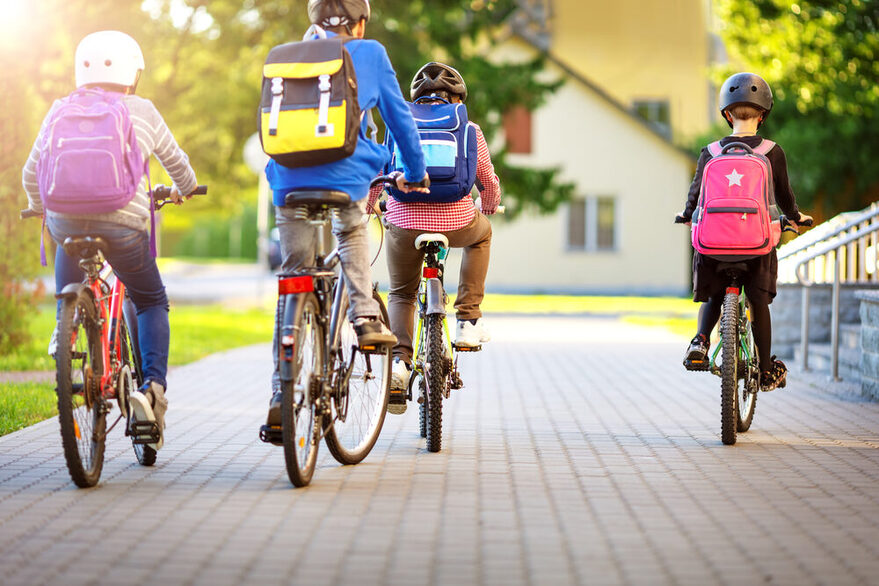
x: 443, y: 217
x: 153, y: 138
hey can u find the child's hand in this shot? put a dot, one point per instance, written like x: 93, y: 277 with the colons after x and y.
x: 403, y: 186
x: 804, y: 220
x: 681, y: 219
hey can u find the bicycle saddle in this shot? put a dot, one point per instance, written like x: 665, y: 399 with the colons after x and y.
x: 738, y: 267
x: 85, y: 246
x: 424, y: 239
x: 307, y: 197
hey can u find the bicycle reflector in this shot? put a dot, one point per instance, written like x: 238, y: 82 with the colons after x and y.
x: 430, y: 273
x: 290, y: 285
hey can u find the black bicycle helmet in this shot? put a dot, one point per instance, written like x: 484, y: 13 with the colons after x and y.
x: 745, y: 88
x: 438, y: 79
x: 332, y: 13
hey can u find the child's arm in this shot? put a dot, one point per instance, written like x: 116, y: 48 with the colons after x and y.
x: 695, y: 186
x: 490, y: 192
x: 172, y: 157
x: 395, y: 112
x: 784, y: 195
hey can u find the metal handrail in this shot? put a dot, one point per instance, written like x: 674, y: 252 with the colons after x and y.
x: 841, y: 239
x: 801, y: 244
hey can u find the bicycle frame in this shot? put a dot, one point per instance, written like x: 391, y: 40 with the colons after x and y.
x: 431, y: 300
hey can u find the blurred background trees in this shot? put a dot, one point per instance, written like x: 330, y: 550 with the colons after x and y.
x: 822, y: 60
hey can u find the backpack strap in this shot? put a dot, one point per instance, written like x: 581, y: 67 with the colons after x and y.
x: 153, y: 246
x: 714, y: 148
x: 42, y: 240
x: 371, y: 126
x: 764, y: 147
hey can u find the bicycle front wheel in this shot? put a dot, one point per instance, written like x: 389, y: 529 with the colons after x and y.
x: 746, y: 393
x: 435, y: 379
x: 360, y: 405
x: 146, y: 456
x: 729, y: 332
x: 300, y: 418
x: 81, y: 410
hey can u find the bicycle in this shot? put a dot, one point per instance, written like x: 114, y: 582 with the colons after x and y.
x: 739, y: 367
x: 97, y: 360
x: 331, y: 388
x: 435, y: 364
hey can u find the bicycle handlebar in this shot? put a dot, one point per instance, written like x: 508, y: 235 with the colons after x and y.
x: 29, y: 213
x: 162, y: 194
x: 391, y: 181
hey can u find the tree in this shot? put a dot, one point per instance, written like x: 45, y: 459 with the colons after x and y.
x: 822, y: 60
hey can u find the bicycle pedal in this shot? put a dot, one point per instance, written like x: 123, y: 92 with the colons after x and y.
x: 270, y: 434
x: 144, y: 432
x: 467, y: 348
x: 697, y: 365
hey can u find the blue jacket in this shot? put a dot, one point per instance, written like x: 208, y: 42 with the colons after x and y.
x: 377, y: 86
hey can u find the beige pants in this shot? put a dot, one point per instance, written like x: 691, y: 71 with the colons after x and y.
x: 404, y: 267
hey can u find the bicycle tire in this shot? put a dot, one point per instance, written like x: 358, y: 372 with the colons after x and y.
x: 729, y: 321
x: 422, y: 410
x: 435, y: 377
x: 146, y: 455
x: 300, y: 420
x: 81, y: 411
x: 746, y: 399
x: 366, y: 397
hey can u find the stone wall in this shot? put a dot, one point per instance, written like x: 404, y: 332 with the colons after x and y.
x: 787, y: 308
x: 869, y: 313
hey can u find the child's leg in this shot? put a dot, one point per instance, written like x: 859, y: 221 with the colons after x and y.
x: 476, y: 241
x: 404, y: 269
x: 354, y: 253
x: 761, y: 327
x: 709, y: 313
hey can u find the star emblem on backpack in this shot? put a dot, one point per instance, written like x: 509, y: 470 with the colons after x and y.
x: 735, y: 178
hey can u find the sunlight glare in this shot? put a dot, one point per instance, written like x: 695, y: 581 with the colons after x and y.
x: 14, y: 17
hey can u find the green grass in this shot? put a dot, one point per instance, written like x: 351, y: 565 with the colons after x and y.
x: 196, y: 331
x: 23, y: 404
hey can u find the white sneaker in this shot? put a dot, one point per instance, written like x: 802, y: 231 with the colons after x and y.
x: 149, y: 404
x: 400, y: 373
x: 53, y: 343
x: 471, y: 335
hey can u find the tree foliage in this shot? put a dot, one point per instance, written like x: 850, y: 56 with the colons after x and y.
x: 821, y: 58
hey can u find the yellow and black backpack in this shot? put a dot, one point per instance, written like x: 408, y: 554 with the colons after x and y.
x: 308, y: 113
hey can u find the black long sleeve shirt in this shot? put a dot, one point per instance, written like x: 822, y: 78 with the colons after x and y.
x: 784, y: 195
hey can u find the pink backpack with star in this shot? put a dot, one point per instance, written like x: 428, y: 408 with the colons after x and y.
x: 736, y: 217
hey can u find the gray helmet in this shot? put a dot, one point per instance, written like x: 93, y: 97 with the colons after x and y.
x: 745, y: 88
x: 440, y: 79
x: 331, y: 13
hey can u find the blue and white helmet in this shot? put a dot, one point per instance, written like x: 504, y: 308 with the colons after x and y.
x: 332, y: 13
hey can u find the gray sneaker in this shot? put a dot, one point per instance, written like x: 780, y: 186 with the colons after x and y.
x: 149, y: 404
x: 53, y: 342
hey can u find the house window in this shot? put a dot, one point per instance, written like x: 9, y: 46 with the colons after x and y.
x: 656, y: 112
x: 592, y: 224
x: 517, y: 128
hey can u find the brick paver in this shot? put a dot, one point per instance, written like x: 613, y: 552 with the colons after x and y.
x: 579, y: 452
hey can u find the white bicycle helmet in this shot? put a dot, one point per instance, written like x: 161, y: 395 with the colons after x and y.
x: 110, y: 57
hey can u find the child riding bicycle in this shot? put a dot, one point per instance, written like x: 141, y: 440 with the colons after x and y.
x: 438, y: 86
x: 745, y: 103
x: 376, y: 87
x: 108, y: 67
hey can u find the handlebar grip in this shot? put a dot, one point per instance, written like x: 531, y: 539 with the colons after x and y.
x: 679, y: 219
x: 383, y: 206
x: 29, y: 213
x: 808, y: 223
x: 200, y: 190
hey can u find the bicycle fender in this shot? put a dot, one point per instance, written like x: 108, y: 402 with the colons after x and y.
x: 70, y: 290
x: 286, y: 351
x: 436, y: 302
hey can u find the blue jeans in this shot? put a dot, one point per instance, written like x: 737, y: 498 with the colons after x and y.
x: 129, y: 255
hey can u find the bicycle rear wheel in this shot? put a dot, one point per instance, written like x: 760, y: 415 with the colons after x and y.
x: 729, y: 333
x: 359, y: 409
x: 300, y: 418
x: 436, y: 379
x: 746, y: 394
x: 81, y: 410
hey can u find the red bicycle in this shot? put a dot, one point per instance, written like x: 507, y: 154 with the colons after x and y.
x: 97, y: 360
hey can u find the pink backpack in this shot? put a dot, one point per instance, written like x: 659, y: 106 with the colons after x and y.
x: 736, y: 217
x: 90, y: 161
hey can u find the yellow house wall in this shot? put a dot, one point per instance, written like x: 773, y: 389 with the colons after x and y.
x: 641, y: 49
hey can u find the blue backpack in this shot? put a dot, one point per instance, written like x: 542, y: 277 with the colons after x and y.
x: 449, y: 146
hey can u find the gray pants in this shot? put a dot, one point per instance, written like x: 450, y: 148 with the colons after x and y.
x: 298, y: 251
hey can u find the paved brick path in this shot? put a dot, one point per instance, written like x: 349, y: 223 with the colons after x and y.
x: 584, y: 456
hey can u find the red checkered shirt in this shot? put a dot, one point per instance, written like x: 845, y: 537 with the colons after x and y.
x: 445, y: 217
